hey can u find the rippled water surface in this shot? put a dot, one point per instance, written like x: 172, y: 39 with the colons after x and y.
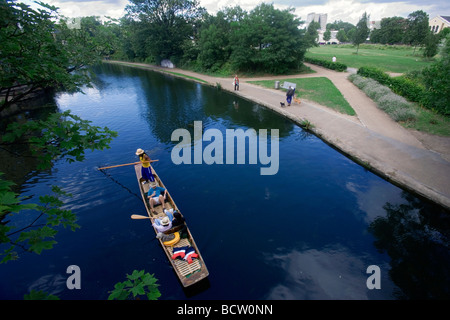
x: 308, y: 232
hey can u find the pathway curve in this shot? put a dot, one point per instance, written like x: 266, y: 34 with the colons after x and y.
x: 416, y: 161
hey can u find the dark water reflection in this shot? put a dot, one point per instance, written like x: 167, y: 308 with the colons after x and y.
x: 417, y: 241
x: 308, y: 232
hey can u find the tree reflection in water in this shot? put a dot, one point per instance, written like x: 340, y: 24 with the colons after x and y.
x: 416, y: 238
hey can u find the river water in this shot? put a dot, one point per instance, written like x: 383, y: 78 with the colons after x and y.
x: 310, y: 231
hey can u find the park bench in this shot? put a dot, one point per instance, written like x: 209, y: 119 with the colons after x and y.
x: 286, y: 85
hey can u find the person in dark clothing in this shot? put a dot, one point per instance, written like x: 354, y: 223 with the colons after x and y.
x: 177, y: 219
x: 289, y: 95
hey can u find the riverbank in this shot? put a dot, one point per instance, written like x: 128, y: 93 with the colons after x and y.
x: 415, y: 161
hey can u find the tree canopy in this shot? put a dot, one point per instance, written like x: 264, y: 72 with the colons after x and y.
x: 392, y: 31
x: 265, y: 39
x: 39, y: 53
x: 413, y: 31
x: 162, y: 26
x: 340, y: 25
x: 311, y: 35
x: 437, y: 81
x: 60, y: 136
x: 362, y: 31
x: 417, y: 28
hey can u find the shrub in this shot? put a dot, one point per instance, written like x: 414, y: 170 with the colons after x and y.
x: 409, y: 89
x: 305, y: 124
x: 376, y: 74
x: 397, y: 107
x: 403, y: 114
x: 337, y: 66
x: 360, y: 82
x: 437, y: 81
x: 402, y: 86
x: 375, y: 92
x: 384, y: 103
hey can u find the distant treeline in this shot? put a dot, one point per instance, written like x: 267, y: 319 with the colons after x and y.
x: 265, y: 39
x: 42, y: 50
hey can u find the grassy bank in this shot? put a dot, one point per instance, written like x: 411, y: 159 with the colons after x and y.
x: 320, y: 90
x: 408, y: 114
x: 396, y: 59
x: 429, y: 122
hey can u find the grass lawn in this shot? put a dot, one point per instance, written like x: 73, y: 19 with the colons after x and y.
x: 430, y: 122
x: 320, y: 90
x: 397, y: 59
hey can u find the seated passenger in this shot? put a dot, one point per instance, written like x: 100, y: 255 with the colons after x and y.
x: 163, y: 224
x: 177, y: 219
x: 156, y: 195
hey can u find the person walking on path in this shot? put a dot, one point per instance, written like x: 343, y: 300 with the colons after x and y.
x: 236, y: 83
x: 289, y: 95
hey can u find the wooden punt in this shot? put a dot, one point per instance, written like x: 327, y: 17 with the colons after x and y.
x: 188, y: 274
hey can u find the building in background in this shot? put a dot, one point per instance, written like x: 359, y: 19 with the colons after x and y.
x: 321, y: 18
x: 438, y: 23
x: 333, y: 39
x: 374, y: 25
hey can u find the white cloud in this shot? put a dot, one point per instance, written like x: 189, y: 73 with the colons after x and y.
x: 345, y: 10
x: 73, y: 9
x: 352, y: 10
x: 322, y: 274
x: 212, y: 6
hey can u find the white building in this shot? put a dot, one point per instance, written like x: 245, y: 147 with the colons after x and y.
x: 438, y: 23
x: 374, y: 25
x: 321, y: 18
x: 333, y: 39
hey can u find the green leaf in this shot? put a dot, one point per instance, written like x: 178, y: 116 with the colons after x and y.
x: 39, y: 295
x: 149, y: 279
x: 5, y: 185
x: 7, y: 198
x: 119, y: 292
x: 36, y: 238
x: 9, y: 254
x: 153, y: 295
x: 61, y: 135
x: 128, y: 283
x: 138, y: 290
x: 136, y: 275
x: 40, y: 245
x: 138, y: 283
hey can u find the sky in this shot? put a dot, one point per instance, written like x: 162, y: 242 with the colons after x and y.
x: 345, y: 10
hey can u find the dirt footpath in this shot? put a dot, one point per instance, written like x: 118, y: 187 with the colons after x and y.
x: 416, y: 161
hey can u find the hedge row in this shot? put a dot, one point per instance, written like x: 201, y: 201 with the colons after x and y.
x: 337, y: 66
x: 397, y: 107
x: 399, y: 85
